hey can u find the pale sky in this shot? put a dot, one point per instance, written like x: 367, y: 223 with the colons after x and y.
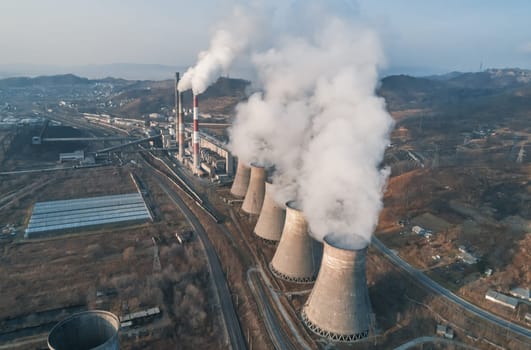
x: 417, y: 34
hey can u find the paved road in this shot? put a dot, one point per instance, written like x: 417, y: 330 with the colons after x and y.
x: 435, y: 340
x: 232, y: 323
x: 280, y: 340
x: 437, y: 288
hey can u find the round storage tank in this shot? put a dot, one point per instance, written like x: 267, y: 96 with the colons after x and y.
x: 91, y: 330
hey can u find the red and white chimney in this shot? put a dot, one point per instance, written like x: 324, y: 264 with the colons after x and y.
x: 197, y: 162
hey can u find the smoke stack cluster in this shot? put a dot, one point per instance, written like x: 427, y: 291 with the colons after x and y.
x: 271, y: 220
x: 197, y: 162
x: 254, y: 197
x: 298, y: 255
x: 338, y: 307
x: 241, y: 180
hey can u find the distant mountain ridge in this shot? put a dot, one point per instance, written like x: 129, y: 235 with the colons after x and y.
x: 129, y: 71
x: 65, y: 79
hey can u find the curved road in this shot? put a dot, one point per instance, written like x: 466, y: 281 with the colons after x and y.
x: 437, y: 288
x: 423, y: 340
x: 232, y: 323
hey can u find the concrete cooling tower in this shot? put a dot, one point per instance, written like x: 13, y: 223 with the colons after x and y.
x: 96, y: 330
x: 298, y: 255
x: 241, y: 180
x: 254, y: 197
x: 271, y: 220
x: 338, y: 307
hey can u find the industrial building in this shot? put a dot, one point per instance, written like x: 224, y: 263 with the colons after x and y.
x: 205, y: 154
x: 501, y: 299
x: 73, y: 214
x: 338, y: 307
x: 87, y: 330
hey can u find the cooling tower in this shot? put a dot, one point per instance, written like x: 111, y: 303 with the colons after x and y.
x: 254, y: 197
x: 298, y: 255
x: 338, y: 307
x: 97, y: 330
x: 271, y: 220
x: 241, y: 180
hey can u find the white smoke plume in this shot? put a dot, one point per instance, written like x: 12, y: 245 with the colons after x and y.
x: 231, y: 39
x: 320, y: 123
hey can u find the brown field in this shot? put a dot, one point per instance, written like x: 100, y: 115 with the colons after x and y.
x: 47, y: 279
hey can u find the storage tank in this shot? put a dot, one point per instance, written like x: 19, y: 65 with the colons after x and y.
x: 338, y: 307
x: 91, y: 330
x: 298, y: 255
x: 254, y: 197
x: 271, y: 220
x: 241, y: 180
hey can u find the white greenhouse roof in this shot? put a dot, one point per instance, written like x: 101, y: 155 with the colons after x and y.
x: 84, y: 212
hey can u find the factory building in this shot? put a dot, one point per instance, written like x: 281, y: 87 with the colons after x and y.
x: 298, y: 255
x: 338, y: 307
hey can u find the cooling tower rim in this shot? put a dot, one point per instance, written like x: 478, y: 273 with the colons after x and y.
x: 257, y: 165
x: 243, y: 164
x: 293, y: 204
x: 335, y: 240
x: 109, y: 316
x: 336, y: 337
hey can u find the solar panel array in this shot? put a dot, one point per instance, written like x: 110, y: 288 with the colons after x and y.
x: 84, y: 212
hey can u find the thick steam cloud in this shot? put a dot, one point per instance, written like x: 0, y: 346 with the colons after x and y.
x: 319, y: 122
x: 229, y: 40
x: 316, y: 117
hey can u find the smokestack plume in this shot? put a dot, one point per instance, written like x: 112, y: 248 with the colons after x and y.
x: 319, y: 86
x: 271, y: 220
x: 298, y: 255
x: 254, y: 197
x: 338, y: 307
x: 197, y: 162
x: 241, y: 180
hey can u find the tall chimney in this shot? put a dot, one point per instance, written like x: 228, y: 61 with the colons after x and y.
x: 241, y: 180
x: 254, y: 197
x: 271, y: 220
x: 177, y: 78
x: 179, y: 132
x: 298, y: 255
x: 197, y: 162
x: 338, y: 307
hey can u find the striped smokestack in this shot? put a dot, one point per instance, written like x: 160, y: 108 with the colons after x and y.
x: 179, y: 120
x: 197, y: 163
x: 177, y: 78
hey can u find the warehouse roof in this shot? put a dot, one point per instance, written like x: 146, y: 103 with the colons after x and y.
x: 77, y: 213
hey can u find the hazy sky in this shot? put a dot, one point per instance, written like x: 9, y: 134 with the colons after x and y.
x: 417, y: 34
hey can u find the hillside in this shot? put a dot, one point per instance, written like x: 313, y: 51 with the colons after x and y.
x: 146, y: 97
x: 53, y: 80
x: 483, y: 97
